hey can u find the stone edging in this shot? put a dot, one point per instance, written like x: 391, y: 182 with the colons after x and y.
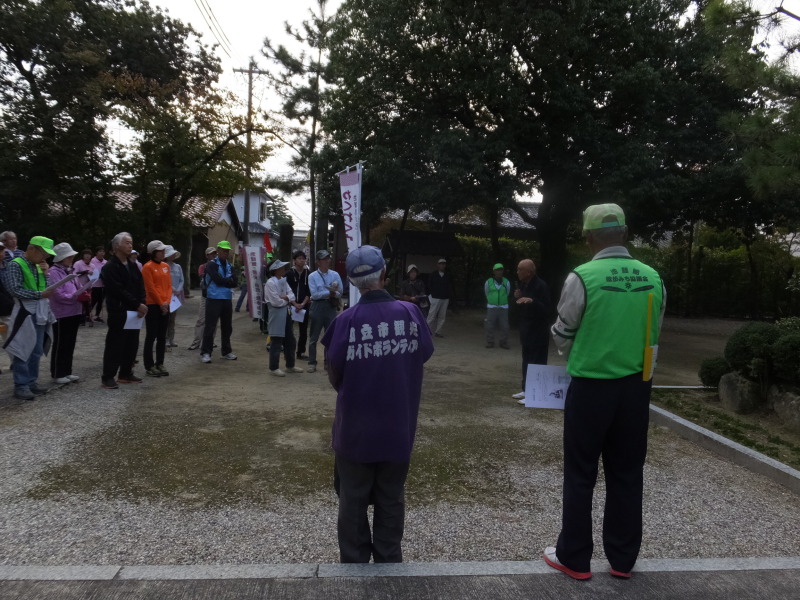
x: 736, y: 453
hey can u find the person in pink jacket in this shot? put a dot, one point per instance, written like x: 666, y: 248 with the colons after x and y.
x: 67, y: 310
x: 97, y: 264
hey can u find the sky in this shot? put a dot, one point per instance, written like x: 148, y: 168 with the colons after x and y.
x: 240, y: 26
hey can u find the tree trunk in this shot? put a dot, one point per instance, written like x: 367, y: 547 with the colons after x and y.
x: 552, y: 223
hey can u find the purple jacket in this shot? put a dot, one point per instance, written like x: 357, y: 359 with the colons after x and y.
x: 63, y: 302
x: 374, y: 352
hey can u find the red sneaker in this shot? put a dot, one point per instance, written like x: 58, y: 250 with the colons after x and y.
x: 620, y: 574
x: 551, y: 559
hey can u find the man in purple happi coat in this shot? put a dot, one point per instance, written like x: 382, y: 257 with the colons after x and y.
x: 374, y: 353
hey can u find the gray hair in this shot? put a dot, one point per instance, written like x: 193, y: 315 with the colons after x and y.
x: 5, y: 234
x: 367, y: 282
x: 610, y: 235
x: 118, y: 239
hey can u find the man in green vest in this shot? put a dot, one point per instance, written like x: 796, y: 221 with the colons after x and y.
x: 609, y: 315
x: 31, y: 328
x: 497, y: 290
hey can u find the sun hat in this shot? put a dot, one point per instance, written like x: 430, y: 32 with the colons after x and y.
x: 169, y: 252
x: 277, y: 265
x: 323, y: 254
x: 224, y: 244
x: 210, y: 250
x: 498, y: 266
x: 412, y: 266
x: 599, y: 216
x: 44, y: 243
x: 441, y: 260
x: 364, y: 261
x: 155, y: 246
x: 62, y: 251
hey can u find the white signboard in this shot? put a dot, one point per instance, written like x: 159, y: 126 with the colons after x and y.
x: 254, y: 256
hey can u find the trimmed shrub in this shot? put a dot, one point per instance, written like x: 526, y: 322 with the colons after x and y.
x: 748, y: 349
x: 788, y: 325
x: 785, y: 355
x: 712, y: 370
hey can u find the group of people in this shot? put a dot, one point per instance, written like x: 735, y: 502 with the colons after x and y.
x: 374, y: 357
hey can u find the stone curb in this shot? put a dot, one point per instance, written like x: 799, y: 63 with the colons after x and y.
x: 736, y: 453
x: 309, y: 571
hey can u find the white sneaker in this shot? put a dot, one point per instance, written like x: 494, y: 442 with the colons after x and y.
x: 73, y: 378
x: 61, y: 380
x: 206, y: 358
x: 521, y: 402
x: 518, y: 396
x: 295, y: 370
x: 230, y: 356
x: 278, y: 373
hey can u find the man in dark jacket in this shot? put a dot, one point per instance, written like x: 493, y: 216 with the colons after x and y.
x: 440, y: 286
x: 297, y: 278
x: 124, y: 289
x: 533, y: 303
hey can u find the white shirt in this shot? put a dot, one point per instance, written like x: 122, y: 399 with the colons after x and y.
x: 275, y: 288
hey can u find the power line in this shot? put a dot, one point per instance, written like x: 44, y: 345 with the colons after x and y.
x: 198, y: 4
x: 214, y: 18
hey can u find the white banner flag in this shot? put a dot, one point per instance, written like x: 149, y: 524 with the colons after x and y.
x: 350, y: 184
x: 254, y: 257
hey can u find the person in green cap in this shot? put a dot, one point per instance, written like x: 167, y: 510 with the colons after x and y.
x: 220, y: 282
x: 32, y: 320
x: 609, y: 315
x: 497, y: 290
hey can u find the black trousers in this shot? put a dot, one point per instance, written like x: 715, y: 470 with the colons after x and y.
x: 121, y: 346
x: 156, y: 325
x: 608, y: 419
x: 285, y: 344
x: 533, y: 354
x: 65, y: 334
x: 359, y: 485
x: 222, y: 311
x: 302, y: 336
x: 98, y: 294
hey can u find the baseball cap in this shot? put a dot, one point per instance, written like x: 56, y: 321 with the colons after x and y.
x: 155, y: 245
x: 364, y: 261
x: 412, y: 266
x: 599, y: 216
x: 441, y: 260
x: 210, y: 250
x: 321, y: 254
x: 44, y: 243
x: 498, y: 266
x: 224, y: 244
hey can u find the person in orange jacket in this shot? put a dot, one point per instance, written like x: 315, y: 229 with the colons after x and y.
x: 158, y: 287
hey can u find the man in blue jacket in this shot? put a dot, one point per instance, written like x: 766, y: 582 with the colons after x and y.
x: 220, y: 282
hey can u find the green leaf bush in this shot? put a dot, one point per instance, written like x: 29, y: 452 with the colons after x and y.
x: 785, y: 357
x: 748, y: 349
x: 712, y: 370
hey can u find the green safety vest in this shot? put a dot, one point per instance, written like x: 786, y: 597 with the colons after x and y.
x: 497, y: 297
x: 610, y: 341
x: 31, y: 282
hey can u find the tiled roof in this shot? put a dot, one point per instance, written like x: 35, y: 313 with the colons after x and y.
x: 200, y: 211
x: 508, y: 219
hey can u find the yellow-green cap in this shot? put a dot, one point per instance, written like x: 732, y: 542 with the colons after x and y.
x: 44, y: 243
x: 498, y: 266
x: 599, y: 216
x: 224, y: 244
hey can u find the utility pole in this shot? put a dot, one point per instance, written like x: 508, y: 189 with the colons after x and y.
x: 251, y: 70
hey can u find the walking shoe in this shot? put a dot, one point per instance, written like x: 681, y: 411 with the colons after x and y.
x: 38, y: 390
x: 230, y: 356
x: 278, y: 373
x: 162, y: 370
x: 619, y: 574
x: 109, y: 384
x: 302, y: 357
x: 551, y: 559
x: 194, y: 346
x: 153, y: 372
x: 62, y: 380
x: 490, y: 344
x: 73, y: 378
x: 24, y: 394
x: 295, y: 370
x: 206, y: 358
x: 518, y: 396
x: 311, y: 369
x: 129, y: 379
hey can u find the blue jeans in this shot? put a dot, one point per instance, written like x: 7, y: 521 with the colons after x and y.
x: 26, y: 372
x: 242, y: 296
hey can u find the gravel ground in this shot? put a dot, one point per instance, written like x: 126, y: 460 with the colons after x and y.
x: 696, y: 504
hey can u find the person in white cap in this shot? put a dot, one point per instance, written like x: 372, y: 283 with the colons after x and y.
x: 176, y: 272
x: 413, y: 290
x: 280, y: 299
x: 68, y: 312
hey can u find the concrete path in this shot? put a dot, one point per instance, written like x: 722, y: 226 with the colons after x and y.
x: 705, y: 579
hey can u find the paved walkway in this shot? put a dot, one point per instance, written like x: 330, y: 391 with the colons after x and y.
x: 705, y: 579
